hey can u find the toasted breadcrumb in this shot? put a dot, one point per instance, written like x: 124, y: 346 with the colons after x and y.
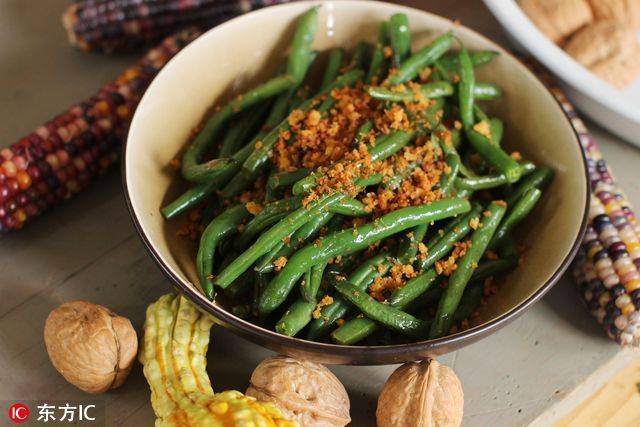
x: 253, y: 208
x: 483, y: 128
x: 448, y: 265
x: 280, y: 263
x: 325, y: 301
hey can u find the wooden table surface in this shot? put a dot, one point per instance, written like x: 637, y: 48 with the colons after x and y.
x: 87, y: 249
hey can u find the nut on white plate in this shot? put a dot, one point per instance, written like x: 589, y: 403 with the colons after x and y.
x: 304, y: 391
x: 92, y: 347
x: 421, y: 394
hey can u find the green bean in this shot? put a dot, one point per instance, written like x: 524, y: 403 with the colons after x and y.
x: 451, y: 62
x: 359, y: 58
x: 421, y: 59
x: 231, y: 138
x: 539, y: 178
x: 187, y: 200
x: 296, y: 317
x: 492, y: 267
x: 465, y: 88
x: 517, y: 213
x: 260, y: 281
x: 304, y: 233
x: 369, y: 268
x: 357, y: 329
x: 428, y: 90
x: 391, y: 317
x: 354, y: 330
x: 468, y: 303
x: 426, y: 299
x: 409, y: 247
x: 236, y: 186
x: 246, y: 126
x: 260, y: 156
x: 267, y: 240
x: 310, y: 287
x: 493, y: 154
x: 490, y: 181
x: 361, y: 277
x: 440, y: 245
x: 377, y: 57
x: 349, y: 241
x: 334, y: 63
x: 286, y: 179
x: 439, y: 89
x: 192, y: 170
x: 269, y: 215
x: 385, y: 147
x: 362, y: 131
x: 399, y: 37
x: 439, y: 72
x: 394, y: 182
x: 350, y: 207
x: 220, y: 227
x: 227, y: 170
x: 480, y: 238
x: 448, y: 177
x: 497, y: 130
x: 301, y: 53
x: 413, y: 289
x: 486, y: 91
x: 480, y: 114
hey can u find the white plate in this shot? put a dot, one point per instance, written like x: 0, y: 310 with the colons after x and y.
x: 615, y: 109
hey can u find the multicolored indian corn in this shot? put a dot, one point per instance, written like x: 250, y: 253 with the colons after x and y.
x: 116, y: 25
x: 607, y: 268
x: 61, y: 157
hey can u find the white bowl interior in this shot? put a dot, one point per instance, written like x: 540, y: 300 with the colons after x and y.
x: 233, y: 56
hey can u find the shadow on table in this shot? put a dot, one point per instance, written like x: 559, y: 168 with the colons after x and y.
x: 564, y: 301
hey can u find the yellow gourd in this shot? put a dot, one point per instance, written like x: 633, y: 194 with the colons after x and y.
x: 176, y: 337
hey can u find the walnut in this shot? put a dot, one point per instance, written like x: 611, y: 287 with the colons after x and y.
x: 557, y: 18
x: 421, y: 394
x: 90, y: 346
x: 305, y: 391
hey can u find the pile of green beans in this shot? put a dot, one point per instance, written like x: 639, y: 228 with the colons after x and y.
x: 304, y: 266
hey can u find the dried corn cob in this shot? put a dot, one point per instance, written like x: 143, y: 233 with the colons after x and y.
x: 115, y: 25
x: 62, y: 156
x: 607, y: 268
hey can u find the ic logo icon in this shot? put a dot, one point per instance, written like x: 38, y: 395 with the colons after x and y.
x: 18, y: 413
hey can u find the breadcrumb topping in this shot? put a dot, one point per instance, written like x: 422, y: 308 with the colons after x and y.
x: 325, y: 301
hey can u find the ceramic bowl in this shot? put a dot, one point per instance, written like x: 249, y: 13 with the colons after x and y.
x: 236, y: 55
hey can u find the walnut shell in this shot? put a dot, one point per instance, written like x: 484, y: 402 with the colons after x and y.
x: 92, y: 347
x: 305, y: 391
x: 421, y: 394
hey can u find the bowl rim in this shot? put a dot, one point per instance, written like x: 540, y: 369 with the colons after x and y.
x: 354, y: 354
